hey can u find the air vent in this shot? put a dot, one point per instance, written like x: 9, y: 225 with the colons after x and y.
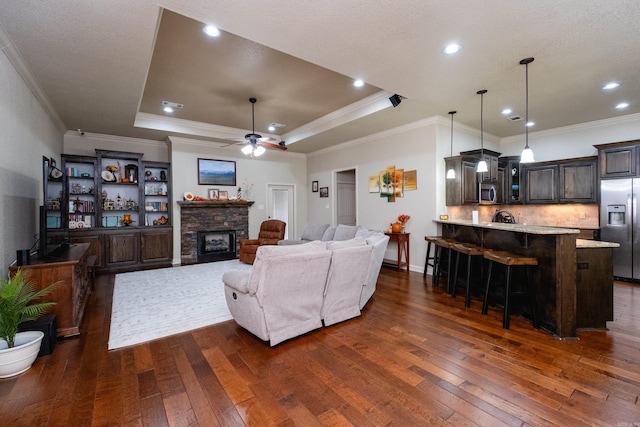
x: 515, y: 118
x: 277, y: 125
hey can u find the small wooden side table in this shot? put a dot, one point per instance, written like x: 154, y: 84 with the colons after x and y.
x: 403, y: 247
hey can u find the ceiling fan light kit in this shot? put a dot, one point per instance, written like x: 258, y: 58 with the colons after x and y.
x: 255, y: 146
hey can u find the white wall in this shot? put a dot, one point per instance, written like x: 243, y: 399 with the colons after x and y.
x: 28, y: 134
x: 274, y: 167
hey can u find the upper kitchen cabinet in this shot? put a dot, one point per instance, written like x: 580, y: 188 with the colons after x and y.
x: 489, y: 156
x: 579, y: 181
x: 619, y: 159
x: 511, y: 183
x: 463, y: 189
x: 563, y: 181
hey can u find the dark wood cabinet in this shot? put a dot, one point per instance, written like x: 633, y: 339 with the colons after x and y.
x: 541, y: 183
x: 618, y: 159
x: 70, y: 268
x: 578, y: 182
x: 156, y: 246
x: 463, y: 189
x: 117, y: 203
x: 563, y: 181
x: 511, y: 179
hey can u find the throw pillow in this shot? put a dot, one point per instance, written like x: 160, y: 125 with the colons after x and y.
x: 345, y: 232
x: 328, y: 235
x: 313, y: 231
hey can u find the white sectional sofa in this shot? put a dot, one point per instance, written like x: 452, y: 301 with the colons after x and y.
x: 293, y: 289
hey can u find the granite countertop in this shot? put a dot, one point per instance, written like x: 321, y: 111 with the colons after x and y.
x: 591, y: 244
x: 519, y: 228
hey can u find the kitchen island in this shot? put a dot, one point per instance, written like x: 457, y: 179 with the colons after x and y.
x: 573, y: 281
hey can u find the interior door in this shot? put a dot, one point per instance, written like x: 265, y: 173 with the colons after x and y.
x: 280, y: 205
x: 346, y: 197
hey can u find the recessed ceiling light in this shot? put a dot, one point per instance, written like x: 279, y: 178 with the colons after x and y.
x: 451, y: 48
x: 529, y: 124
x: 622, y: 105
x: 610, y: 86
x: 358, y: 83
x: 170, y: 107
x: 507, y: 111
x: 211, y: 31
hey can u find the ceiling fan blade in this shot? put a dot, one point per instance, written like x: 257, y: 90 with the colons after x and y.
x: 272, y: 145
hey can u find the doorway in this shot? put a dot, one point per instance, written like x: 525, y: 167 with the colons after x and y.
x: 346, y: 206
x: 281, y: 205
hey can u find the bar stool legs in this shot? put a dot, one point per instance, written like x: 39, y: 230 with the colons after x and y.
x: 511, y: 260
x: 428, y: 258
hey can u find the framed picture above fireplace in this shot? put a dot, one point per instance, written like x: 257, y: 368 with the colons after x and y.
x: 216, y: 172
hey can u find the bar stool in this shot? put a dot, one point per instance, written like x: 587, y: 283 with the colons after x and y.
x: 470, y: 250
x: 510, y: 260
x: 442, y: 244
x: 430, y: 240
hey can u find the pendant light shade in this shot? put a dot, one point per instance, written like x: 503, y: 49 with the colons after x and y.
x: 482, y: 164
x: 451, y: 173
x: 527, y: 153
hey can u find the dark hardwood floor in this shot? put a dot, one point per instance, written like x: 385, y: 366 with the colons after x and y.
x: 416, y: 356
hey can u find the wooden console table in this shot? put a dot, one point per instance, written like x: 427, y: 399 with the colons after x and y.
x: 402, y: 239
x: 73, y: 268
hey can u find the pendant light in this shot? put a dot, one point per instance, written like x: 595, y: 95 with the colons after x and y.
x: 527, y: 153
x: 451, y: 173
x: 482, y: 164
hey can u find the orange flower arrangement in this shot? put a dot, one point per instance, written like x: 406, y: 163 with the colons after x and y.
x: 403, y: 218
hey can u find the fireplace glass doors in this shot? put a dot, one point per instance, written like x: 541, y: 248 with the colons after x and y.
x: 216, y: 245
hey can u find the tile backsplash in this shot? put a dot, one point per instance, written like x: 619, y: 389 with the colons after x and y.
x: 571, y: 215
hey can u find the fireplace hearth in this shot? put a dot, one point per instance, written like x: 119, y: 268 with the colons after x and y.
x: 216, y: 245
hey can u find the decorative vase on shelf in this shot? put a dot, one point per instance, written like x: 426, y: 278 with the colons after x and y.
x: 396, y: 227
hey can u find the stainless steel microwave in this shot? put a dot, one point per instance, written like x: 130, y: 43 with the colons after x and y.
x: 487, y: 194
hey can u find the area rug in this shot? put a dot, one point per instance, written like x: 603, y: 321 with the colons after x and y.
x: 153, y: 304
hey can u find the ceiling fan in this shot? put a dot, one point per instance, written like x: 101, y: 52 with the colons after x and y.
x: 254, y: 143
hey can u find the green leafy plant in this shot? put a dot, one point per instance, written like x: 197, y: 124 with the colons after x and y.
x: 16, y: 295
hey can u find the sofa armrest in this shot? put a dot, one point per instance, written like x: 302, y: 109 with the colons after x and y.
x: 238, y: 280
x: 249, y: 242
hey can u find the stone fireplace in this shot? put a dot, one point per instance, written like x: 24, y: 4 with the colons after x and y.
x: 216, y: 222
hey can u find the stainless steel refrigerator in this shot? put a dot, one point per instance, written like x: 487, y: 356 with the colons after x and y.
x: 620, y: 223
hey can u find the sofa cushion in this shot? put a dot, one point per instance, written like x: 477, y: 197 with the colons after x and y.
x: 341, y: 244
x: 275, y: 251
x: 364, y: 233
x: 313, y: 231
x: 345, y: 232
x: 329, y: 233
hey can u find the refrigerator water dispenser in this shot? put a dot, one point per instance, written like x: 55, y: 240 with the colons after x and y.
x: 616, y: 214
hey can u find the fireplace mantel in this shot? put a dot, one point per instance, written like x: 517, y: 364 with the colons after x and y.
x: 210, y: 215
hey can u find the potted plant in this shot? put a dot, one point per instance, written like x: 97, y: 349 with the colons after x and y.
x: 18, y: 350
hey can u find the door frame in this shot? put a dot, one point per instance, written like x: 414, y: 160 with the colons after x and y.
x: 333, y: 194
x: 291, y: 225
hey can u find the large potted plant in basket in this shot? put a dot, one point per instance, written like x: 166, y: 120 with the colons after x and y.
x: 18, y: 350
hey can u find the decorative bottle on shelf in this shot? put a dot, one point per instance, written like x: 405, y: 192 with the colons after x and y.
x: 163, y: 187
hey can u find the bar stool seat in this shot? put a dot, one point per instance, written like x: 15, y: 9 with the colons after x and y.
x: 510, y: 260
x: 470, y: 250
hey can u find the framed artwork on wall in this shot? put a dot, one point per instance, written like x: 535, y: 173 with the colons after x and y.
x: 314, y: 186
x: 324, y: 191
x: 216, y: 172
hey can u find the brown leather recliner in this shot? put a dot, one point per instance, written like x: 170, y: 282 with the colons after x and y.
x: 271, y: 231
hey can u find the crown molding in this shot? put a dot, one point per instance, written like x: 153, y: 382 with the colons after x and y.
x: 14, y: 56
x: 630, y: 118
x: 366, y: 106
